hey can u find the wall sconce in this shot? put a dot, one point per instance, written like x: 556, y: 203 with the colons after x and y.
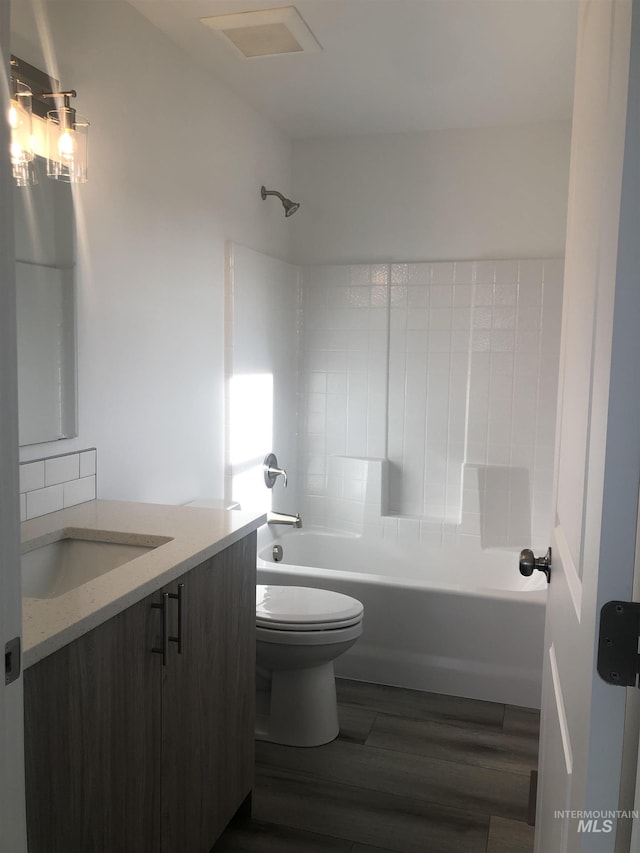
x: 67, y: 134
x: 21, y: 131
x: 59, y: 135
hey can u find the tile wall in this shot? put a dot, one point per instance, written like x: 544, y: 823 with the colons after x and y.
x: 356, y: 489
x: 449, y: 371
x: 57, y: 482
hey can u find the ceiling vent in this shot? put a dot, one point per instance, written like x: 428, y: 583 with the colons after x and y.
x: 266, y: 32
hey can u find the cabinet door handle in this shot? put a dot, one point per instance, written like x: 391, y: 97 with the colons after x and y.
x: 180, y: 599
x: 164, y: 606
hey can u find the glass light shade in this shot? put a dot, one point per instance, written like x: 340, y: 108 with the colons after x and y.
x: 21, y: 132
x: 24, y: 174
x: 67, y: 135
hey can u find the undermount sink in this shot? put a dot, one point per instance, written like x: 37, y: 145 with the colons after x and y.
x: 71, y: 561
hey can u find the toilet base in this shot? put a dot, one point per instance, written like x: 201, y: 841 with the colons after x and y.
x: 303, y: 709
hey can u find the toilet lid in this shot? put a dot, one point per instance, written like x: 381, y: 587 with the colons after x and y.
x: 299, y: 608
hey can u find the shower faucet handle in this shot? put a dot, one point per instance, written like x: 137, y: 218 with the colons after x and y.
x: 272, y: 472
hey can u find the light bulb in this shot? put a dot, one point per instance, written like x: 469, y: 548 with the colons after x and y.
x: 17, y: 153
x: 66, y: 145
x: 19, y: 115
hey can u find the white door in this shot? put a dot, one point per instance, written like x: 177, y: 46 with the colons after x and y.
x: 597, y: 468
x: 12, y: 818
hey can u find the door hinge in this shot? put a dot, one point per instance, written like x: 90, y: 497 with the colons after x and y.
x: 618, y: 658
x: 12, y: 660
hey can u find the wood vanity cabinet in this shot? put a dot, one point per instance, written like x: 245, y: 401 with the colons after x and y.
x: 125, y: 755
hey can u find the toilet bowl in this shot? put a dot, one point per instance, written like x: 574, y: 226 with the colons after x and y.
x: 299, y: 633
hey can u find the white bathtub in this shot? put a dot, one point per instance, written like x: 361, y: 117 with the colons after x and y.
x: 445, y: 619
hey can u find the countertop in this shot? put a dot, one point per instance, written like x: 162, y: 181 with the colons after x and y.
x: 195, y: 533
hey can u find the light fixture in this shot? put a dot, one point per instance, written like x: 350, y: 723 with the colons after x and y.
x: 67, y: 134
x: 20, y: 123
x: 57, y: 132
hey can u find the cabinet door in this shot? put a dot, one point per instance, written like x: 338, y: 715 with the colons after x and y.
x: 208, y: 701
x: 92, y: 722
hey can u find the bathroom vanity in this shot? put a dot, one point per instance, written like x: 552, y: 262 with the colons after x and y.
x: 140, y: 684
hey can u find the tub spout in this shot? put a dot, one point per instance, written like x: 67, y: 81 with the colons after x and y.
x: 284, y: 518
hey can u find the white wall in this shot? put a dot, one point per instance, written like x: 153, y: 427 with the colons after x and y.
x: 176, y: 165
x: 262, y: 371
x: 482, y: 193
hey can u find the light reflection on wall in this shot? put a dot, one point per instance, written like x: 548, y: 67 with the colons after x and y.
x: 250, y: 437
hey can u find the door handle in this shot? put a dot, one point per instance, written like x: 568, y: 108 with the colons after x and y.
x: 529, y: 562
x: 164, y: 606
x: 166, y: 637
x: 179, y: 597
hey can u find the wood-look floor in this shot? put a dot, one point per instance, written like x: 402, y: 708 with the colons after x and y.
x: 410, y: 772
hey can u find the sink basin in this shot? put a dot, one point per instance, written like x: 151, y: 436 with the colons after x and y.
x: 70, y: 562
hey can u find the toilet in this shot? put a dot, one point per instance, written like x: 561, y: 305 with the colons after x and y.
x: 299, y: 633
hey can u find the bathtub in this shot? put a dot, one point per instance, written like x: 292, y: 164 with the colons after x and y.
x: 445, y: 619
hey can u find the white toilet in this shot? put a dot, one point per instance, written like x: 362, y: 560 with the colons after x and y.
x: 300, y: 632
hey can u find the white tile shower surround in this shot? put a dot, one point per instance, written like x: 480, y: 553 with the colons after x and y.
x: 57, y: 482
x: 447, y: 369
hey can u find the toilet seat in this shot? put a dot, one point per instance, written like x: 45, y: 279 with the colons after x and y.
x: 300, y: 609
x: 326, y: 637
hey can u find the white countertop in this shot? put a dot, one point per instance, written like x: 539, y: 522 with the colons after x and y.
x: 196, y: 534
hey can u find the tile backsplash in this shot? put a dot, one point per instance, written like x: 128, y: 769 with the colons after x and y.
x: 57, y: 482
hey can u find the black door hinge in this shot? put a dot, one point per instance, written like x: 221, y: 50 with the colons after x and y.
x: 11, y: 660
x: 618, y: 659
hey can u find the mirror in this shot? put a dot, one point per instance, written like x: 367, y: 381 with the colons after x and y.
x: 45, y: 288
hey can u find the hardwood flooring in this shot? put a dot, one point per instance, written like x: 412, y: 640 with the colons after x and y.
x: 410, y: 772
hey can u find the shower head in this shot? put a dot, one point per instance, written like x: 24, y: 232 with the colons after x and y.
x: 290, y: 207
